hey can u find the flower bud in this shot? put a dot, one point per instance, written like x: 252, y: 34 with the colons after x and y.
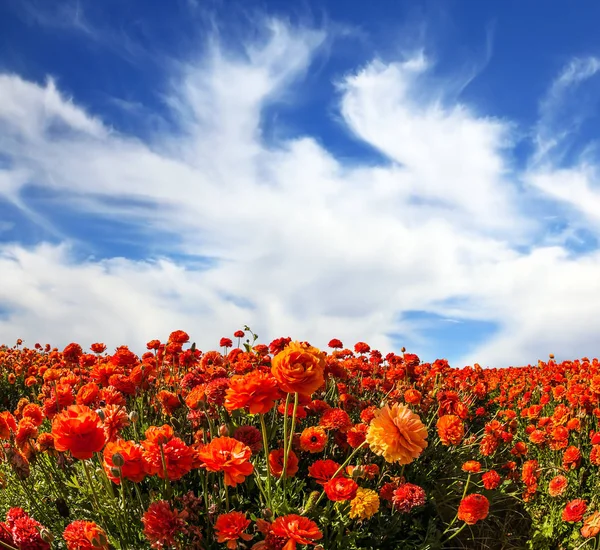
x: 101, y: 414
x: 118, y: 460
x: 115, y: 472
x: 223, y: 430
x: 134, y: 416
x: 46, y: 535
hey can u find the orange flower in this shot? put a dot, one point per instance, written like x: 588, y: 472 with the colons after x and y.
x: 78, y: 429
x: 85, y: 535
x: 313, y: 439
x: 451, y: 429
x: 473, y: 508
x: 227, y: 455
x: 276, y: 463
x: 340, y: 489
x: 256, y: 391
x: 471, y: 466
x: 299, y: 368
x: 397, y: 434
x: 230, y: 527
x: 165, y: 455
x: 126, y: 455
x: 591, y: 526
x: 557, y: 486
x: 296, y: 530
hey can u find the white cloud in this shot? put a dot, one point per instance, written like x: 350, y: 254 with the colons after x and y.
x: 305, y: 244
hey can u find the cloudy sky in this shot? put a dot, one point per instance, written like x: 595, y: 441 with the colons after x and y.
x: 413, y: 173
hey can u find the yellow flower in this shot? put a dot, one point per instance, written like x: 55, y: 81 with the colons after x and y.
x: 365, y: 504
x: 397, y: 434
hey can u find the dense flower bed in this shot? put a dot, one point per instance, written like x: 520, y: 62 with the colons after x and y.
x: 286, y: 446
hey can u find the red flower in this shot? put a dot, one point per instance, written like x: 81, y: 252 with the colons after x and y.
x: 225, y: 343
x: 361, y: 347
x: 356, y: 435
x: 473, y: 508
x: 250, y: 436
x: 24, y: 530
x: 239, y: 333
x: 491, y: 480
x: 230, y: 527
x: 85, y: 535
x: 408, y: 496
x: 335, y: 343
x: 78, y: 429
x: 276, y: 459
x: 162, y: 525
x: 296, y: 530
x: 323, y: 470
x: 335, y: 419
x: 340, y: 489
x: 160, y: 446
x: 574, y: 510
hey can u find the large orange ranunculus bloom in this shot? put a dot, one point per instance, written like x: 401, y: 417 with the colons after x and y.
x: 296, y: 529
x: 397, y: 434
x: 78, y: 429
x: 451, y: 429
x: 473, y: 508
x: 227, y: 455
x: 299, y: 368
x: 591, y: 526
x: 131, y: 461
x: 256, y: 390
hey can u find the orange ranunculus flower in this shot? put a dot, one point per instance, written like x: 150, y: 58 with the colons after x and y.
x: 256, y: 391
x: 591, y: 526
x: 397, y: 434
x: 473, y: 508
x: 451, y: 429
x: 296, y: 530
x: 313, y: 439
x: 78, y: 429
x: 85, y: 535
x: 128, y: 456
x: 471, y: 466
x: 276, y: 463
x: 230, y: 527
x: 159, y: 446
x: 557, y: 486
x: 299, y: 368
x: 227, y: 455
x: 340, y: 489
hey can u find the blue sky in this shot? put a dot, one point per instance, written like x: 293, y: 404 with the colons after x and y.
x: 405, y: 173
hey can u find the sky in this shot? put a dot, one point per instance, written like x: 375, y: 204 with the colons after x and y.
x: 404, y: 173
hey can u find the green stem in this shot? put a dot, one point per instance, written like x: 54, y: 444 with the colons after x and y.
x: 288, y: 447
x: 263, y: 427
x: 92, y: 487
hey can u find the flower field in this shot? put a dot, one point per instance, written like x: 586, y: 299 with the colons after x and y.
x: 286, y: 446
